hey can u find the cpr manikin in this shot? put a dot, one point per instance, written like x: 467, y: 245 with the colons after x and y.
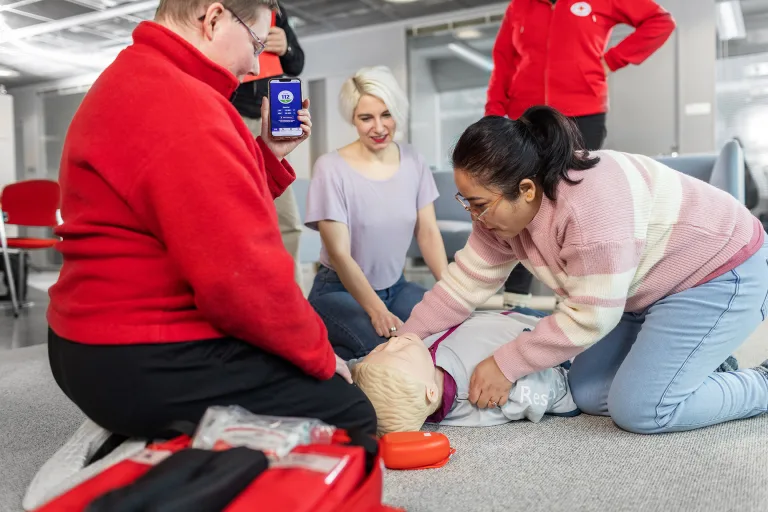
x: 410, y: 381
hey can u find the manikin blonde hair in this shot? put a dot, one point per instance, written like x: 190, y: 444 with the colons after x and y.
x: 400, y: 400
x: 377, y: 81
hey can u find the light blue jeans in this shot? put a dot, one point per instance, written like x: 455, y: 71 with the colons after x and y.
x: 655, y: 371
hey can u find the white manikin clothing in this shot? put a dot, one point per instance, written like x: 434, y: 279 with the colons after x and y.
x: 476, y: 339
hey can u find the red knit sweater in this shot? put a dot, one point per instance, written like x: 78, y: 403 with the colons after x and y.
x: 170, y: 232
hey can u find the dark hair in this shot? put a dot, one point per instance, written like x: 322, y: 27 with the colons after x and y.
x: 542, y: 145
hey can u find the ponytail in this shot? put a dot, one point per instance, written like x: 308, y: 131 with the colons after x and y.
x: 542, y: 145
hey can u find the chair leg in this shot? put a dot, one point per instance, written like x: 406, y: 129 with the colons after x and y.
x: 8, y: 271
x: 11, y: 283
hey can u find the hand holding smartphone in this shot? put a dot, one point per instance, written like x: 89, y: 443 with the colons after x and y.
x: 285, y: 100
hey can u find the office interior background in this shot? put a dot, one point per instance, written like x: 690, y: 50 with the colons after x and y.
x: 708, y: 84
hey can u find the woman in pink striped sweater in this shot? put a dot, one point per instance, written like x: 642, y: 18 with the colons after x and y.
x: 661, y: 276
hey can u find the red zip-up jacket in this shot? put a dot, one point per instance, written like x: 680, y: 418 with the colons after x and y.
x: 551, y: 54
x: 170, y: 232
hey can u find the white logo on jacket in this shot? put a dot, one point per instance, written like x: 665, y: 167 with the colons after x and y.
x: 582, y: 9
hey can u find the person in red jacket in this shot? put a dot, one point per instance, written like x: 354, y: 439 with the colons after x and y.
x: 552, y: 52
x: 176, y: 292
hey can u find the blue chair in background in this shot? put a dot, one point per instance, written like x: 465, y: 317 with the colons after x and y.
x: 725, y: 170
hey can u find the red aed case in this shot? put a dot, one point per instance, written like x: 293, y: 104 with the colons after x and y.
x: 415, y: 450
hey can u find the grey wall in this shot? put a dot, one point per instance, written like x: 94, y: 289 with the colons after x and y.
x: 697, y: 54
x: 7, y: 141
x: 642, y: 115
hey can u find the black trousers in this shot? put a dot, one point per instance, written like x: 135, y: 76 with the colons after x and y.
x: 593, y: 131
x: 139, y: 390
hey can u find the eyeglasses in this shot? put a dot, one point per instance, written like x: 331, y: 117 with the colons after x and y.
x: 258, y: 44
x: 472, y: 211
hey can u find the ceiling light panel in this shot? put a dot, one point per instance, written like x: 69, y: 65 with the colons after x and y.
x: 52, y: 9
x: 15, y: 21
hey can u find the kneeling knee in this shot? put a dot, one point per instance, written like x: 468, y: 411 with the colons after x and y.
x: 630, y: 413
x: 589, y: 396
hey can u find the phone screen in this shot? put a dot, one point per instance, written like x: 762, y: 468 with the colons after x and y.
x: 284, y: 105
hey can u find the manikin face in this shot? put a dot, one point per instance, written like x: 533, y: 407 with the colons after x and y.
x: 505, y: 218
x: 375, y: 125
x: 408, y: 354
x: 231, y: 43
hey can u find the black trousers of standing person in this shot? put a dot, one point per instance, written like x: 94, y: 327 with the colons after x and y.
x: 593, y: 131
x: 140, y: 390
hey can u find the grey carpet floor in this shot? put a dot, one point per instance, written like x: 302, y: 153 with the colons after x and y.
x: 576, y: 464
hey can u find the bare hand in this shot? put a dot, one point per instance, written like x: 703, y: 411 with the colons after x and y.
x: 343, y: 370
x: 488, y: 386
x: 282, y: 147
x: 276, y: 42
x: 383, y: 321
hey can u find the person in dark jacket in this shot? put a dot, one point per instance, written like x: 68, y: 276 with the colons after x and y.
x: 553, y: 52
x: 281, y: 41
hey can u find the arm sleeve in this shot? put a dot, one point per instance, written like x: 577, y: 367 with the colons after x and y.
x: 325, y: 198
x: 599, y: 278
x: 477, y: 273
x: 293, y: 61
x: 653, y: 26
x: 504, y: 62
x: 427, y: 186
x: 213, y: 212
x: 280, y: 174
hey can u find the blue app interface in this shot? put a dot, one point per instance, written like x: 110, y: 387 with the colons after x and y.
x: 285, y: 102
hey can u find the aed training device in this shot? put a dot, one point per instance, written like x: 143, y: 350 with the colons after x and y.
x: 284, y: 104
x: 415, y: 450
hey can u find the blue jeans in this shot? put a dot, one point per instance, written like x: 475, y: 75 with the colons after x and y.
x: 655, y: 371
x: 349, y: 327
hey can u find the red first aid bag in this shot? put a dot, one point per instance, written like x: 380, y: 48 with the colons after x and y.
x: 317, y: 478
x: 119, y: 475
x: 314, y: 478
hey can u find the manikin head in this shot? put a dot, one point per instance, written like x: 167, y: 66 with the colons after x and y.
x: 375, y: 104
x: 230, y: 33
x: 400, y: 380
x: 503, y: 168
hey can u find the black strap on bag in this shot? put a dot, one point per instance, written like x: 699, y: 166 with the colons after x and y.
x: 191, y: 479
x: 368, y: 444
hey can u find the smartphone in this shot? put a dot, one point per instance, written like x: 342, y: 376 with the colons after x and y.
x: 284, y: 104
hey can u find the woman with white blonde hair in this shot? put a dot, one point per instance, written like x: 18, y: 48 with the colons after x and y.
x: 367, y: 200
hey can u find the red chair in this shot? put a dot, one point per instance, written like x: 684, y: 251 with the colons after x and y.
x: 33, y: 203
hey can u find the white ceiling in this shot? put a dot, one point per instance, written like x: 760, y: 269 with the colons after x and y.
x: 47, y: 39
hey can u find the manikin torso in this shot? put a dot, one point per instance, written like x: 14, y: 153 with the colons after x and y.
x: 475, y: 340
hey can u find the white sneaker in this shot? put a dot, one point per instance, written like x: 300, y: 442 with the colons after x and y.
x: 517, y: 300
x: 67, y: 469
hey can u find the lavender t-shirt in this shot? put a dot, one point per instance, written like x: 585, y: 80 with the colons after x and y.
x: 380, y: 214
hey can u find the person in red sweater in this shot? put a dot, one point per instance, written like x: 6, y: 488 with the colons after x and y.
x: 552, y: 52
x: 176, y: 292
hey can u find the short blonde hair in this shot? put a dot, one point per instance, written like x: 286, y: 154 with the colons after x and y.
x: 400, y: 400
x: 377, y: 81
x: 186, y: 10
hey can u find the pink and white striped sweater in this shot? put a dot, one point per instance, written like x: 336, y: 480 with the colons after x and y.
x: 632, y: 232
